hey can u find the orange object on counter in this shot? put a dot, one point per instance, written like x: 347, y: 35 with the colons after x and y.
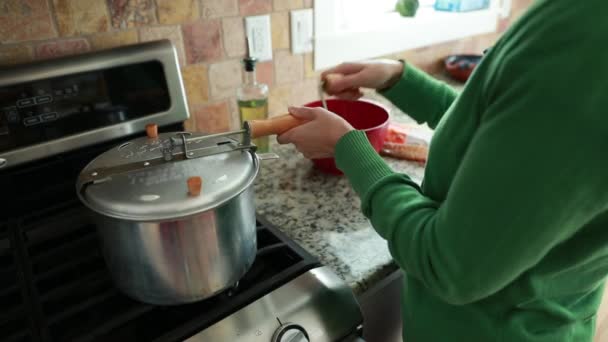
x: 409, y: 142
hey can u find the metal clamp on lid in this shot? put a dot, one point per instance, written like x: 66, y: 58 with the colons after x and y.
x: 227, y: 145
x: 159, y: 149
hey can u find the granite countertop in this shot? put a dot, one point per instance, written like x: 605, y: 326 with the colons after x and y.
x: 322, y: 212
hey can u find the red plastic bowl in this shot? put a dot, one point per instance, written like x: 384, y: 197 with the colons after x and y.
x: 364, y: 115
x: 460, y: 67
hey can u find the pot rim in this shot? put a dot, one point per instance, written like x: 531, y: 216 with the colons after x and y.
x: 81, y: 192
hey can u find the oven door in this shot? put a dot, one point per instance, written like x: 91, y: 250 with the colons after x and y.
x: 381, y: 306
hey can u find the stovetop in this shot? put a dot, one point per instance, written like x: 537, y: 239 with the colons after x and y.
x: 54, y: 285
x: 57, y: 116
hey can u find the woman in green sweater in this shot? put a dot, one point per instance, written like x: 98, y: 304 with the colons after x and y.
x: 507, y: 238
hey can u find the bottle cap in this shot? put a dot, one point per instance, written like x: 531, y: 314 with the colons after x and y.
x: 249, y: 63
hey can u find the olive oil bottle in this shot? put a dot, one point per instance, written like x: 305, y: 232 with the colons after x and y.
x: 252, y: 100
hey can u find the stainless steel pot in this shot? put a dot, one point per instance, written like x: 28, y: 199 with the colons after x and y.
x: 161, y: 244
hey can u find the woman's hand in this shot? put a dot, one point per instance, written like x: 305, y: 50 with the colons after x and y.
x: 318, y: 137
x: 346, y: 80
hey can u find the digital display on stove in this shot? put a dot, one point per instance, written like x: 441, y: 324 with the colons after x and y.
x: 48, y: 109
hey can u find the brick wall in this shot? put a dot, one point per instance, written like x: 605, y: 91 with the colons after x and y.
x: 209, y: 37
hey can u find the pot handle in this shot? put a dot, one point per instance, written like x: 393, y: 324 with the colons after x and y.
x: 273, y: 126
x: 267, y: 156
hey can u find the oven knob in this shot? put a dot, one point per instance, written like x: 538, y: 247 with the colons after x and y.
x: 290, y: 333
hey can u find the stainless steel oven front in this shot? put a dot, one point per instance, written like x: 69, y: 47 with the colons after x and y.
x: 59, y: 105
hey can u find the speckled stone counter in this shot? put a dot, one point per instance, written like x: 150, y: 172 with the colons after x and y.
x: 322, y: 213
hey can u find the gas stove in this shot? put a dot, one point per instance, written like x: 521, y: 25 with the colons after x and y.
x: 54, y: 284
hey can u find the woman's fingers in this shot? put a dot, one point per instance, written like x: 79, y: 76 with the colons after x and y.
x: 351, y: 94
x: 304, y: 113
x: 342, y: 77
x: 319, y: 135
x: 336, y: 83
x: 344, y: 69
x: 285, y: 138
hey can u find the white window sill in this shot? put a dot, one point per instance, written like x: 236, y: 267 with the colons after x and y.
x: 391, y: 33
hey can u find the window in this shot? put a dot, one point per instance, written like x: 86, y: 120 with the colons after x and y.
x: 356, y: 11
x: 359, y: 29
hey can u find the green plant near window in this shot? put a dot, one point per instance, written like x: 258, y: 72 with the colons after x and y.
x: 407, y: 8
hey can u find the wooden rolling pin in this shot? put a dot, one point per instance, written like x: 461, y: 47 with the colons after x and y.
x: 259, y: 128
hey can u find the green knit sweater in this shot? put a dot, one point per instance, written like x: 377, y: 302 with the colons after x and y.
x: 507, y: 238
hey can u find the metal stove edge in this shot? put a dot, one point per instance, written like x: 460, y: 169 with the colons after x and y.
x: 316, y: 306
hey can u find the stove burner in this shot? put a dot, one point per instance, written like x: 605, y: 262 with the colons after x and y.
x: 231, y: 291
x: 54, y: 285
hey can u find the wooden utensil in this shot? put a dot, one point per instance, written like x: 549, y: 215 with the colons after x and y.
x: 257, y: 128
x: 273, y: 126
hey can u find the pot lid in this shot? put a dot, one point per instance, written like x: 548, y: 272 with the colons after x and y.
x: 148, y: 179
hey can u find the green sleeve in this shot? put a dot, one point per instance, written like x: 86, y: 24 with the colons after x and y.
x: 421, y: 96
x: 522, y: 188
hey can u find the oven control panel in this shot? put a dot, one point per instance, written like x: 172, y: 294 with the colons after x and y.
x: 48, y: 109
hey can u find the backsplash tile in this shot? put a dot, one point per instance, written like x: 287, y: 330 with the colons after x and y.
x: 177, y: 11
x: 289, y: 68
x: 62, y: 47
x: 213, y: 118
x: 219, y: 8
x: 233, y: 31
x: 224, y: 78
x: 22, y: 20
x: 278, y: 100
x: 77, y: 17
x: 265, y: 73
x: 304, y: 92
x: 15, y: 54
x: 279, y: 22
x: 196, y: 82
x: 254, y: 7
x: 173, y: 33
x: 113, y: 39
x: 203, y: 41
x: 132, y: 13
x: 235, y: 116
x: 280, y: 5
